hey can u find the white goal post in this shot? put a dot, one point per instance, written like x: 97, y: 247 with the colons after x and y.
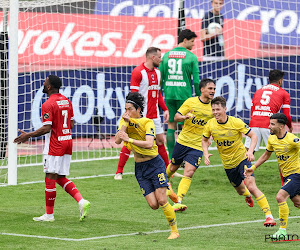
x: 94, y: 45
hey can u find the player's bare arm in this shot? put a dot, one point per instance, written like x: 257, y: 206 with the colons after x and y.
x: 148, y: 143
x: 205, y: 144
x: 23, y: 137
x: 179, y: 117
x: 250, y: 151
x: 264, y: 157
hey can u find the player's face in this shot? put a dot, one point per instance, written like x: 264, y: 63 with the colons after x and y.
x: 219, y: 112
x: 46, y: 85
x: 132, y: 111
x: 217, y: 5
x: 189, y: 44
x: 274, y: 127
x: 208, y: 91
x: 156, y: 59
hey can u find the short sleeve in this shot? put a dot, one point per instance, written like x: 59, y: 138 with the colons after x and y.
x: 206, y: 130
x: 185, y: 108
x: 47, y: 113
x: 150, y: 128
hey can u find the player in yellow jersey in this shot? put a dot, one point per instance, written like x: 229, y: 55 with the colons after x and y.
x: 138, y: 133
x: 195, y: 112
x: 227, y: 133
x: 286, y: 147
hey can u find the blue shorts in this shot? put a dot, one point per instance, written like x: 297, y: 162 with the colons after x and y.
x: 183, y: 153
x: 292, y: 185
x: 151, y: 175
x: 236, y: 175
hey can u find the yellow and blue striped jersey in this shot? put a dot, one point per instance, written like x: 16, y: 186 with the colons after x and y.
x: 137, y: 129
x: 228, y: 137
x: 287, y: 152
x: 191, y: 134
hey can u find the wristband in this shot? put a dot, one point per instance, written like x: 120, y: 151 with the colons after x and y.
x: 253, y: 167
x: 130, y: 140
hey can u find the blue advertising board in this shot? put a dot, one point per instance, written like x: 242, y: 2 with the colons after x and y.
x: 280, y: 19
x: 102, y: 91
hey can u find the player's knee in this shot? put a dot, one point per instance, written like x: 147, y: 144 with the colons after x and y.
x: 297, y: 204
x: 280, y: 198
x: 154, y: 206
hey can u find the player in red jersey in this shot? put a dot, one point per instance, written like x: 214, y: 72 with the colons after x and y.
x: 58, y: 120
x: 145, y: 79
x: 267, y: 101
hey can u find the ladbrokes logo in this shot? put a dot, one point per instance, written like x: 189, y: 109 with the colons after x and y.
x: 225, y: 143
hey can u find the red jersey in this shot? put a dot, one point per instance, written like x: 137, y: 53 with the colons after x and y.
x: 147, y: 82
x: 267, y: 101
x: 57, y: 111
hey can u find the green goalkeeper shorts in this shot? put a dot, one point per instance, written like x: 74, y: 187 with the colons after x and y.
x: 173, y: 106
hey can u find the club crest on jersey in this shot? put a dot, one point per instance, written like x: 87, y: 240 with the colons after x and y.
x: 153, y: 94
x: 296, y: 140
x: 46, y: 116
x: 152, y: 76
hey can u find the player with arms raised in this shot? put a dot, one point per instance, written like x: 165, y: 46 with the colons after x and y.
x: 58, y: 120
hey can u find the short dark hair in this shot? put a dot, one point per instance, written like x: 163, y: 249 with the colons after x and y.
x: 136, y: 99
x: 275, y: 75
x: 152, y: 50
x: 219, y: 100
x: 188, y: 34
x: 281, y: 118
x: 205, y: 81
x: 54, y: 81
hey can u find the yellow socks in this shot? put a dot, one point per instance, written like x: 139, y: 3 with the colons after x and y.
x: 283, y: 214
x: 170, y: 216
x: 247, y: 193
x: 169, y: 173
x: 264, y: 205
x: 183, y: 187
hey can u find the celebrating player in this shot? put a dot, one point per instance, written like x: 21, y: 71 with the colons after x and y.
x: 58, y: 120
x: 195, y: 112
x: 227, y: 133
x: 145, y: 79
x: 138, y: 133
x: 286, y: 147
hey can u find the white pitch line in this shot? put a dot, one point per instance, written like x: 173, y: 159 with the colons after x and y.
x: 138, y: 233
x: 106, y: 175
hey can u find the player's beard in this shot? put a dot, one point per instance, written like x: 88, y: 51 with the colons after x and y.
x: 45, y: 90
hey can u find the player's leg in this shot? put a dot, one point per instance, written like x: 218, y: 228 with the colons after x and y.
x: 296, y: 201
x: 160, y: 141
x: 256, y: 192
x: 69, y: 186
x: 124, y: 155
x: 281, y: 198
x: 50, y: 190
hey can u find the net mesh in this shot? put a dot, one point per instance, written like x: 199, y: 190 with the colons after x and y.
x: 94, y: 45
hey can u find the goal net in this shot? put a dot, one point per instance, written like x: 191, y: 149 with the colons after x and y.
x: 94, y: 45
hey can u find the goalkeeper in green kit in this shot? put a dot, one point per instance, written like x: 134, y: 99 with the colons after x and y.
x: 179, y: 69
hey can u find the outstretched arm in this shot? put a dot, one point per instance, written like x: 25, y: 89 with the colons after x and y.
x: 23, y: 137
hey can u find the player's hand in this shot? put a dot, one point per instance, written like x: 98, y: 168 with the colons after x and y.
x: 206, y: 159
x: 166, y: 116
x: 248, y: 172
x: 189, y: 115
x: 126, y: 117
x: 123, y: 135
x: 250, y: 156
x: 23, y: 137
x: 291, y: 129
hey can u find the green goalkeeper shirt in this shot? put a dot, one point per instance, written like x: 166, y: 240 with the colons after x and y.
x: 179, y: 68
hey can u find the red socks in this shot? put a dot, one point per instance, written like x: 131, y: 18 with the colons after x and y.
x: 70, y: 188
x: 124, y: 155
x: 50, y: 195
x: 163, y: 153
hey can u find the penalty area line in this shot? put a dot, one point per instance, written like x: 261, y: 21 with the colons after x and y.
x: 137, y: 233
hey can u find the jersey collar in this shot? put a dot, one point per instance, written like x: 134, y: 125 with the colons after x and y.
x: 283, y: 136
x: 224, y: 122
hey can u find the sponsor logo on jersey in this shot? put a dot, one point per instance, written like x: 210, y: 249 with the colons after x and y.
x: 133, y: 124
x: 199, y: 121
x: 62, y: 102
x: 177, y: 54
x: 225, y: 143
x: 152, y: 131
x: 296, y: 140
x: 64, y: 138
x: 46, y: 116
x: 282, y: 157
x: 247, y: 126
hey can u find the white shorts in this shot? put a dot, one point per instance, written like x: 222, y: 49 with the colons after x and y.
x: 158, y: 126
x: 261, y: 133
x: 57, y: 164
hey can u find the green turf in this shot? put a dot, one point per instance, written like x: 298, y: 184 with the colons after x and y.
x: 118, y: 208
